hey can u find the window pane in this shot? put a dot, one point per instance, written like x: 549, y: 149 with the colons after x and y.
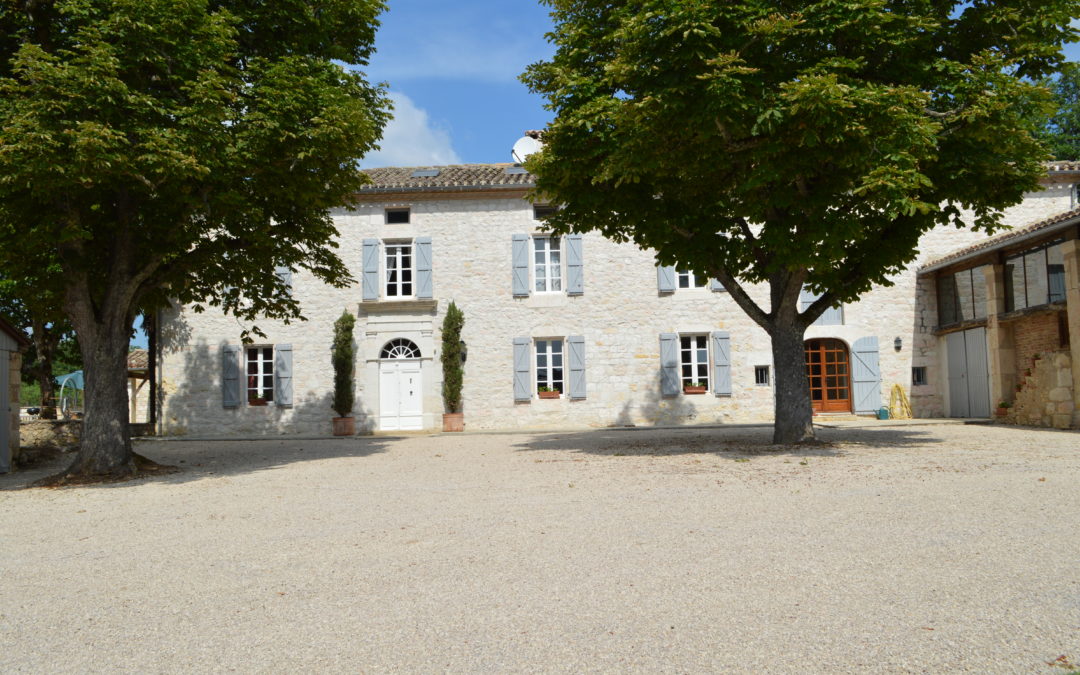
x: 1035, y: 276
x: 946, y: 287
x: 1055, y: 264
x: 964, y: 296
x: 978, y: 286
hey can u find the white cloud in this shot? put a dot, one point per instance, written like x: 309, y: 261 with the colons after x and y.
x: 412, y: 139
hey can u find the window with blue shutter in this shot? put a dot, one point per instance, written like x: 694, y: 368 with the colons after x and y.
x: 424, y: 289
x: 576, y: 347
x: 230, y: 376
x: 370, y: 276
x: 865, y: 375
x: 520, y: 263
x: 522, y: 390
x: 669, y: 364
x: 721, y: 344
x: 285, y: 274
x: 833, y: 316
x: 283, y: 375
x: 575, y: 274
x: 665, y: 279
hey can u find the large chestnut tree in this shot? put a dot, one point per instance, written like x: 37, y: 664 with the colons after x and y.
x: 793, y: 142
x: 181, y: 149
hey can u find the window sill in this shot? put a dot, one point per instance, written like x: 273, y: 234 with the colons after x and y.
x: 1016, y: 314
x: 410, y: 305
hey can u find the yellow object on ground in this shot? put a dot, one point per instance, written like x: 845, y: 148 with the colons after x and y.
x: 899, y: 407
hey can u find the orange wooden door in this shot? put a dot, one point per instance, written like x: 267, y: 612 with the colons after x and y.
x: 829, y: 371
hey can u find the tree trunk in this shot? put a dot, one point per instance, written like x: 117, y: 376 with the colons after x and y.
x: 793, y: 412
x: 45, y: 343
x: 105, y: 448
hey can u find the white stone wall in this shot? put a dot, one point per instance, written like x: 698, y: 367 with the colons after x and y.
x: 620, y: 315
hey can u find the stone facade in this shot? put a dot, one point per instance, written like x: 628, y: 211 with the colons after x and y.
x: 1045, y: 397
x: 621, y: 315
x: 14, y: 388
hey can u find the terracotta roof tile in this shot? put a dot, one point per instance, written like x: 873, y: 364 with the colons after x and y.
x: 452, y: 177
x: 138, y: 359
x: 1002, y: 240
x: 1063, y: 165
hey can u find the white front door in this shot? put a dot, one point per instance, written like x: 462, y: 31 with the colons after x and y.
x: 399, y: 395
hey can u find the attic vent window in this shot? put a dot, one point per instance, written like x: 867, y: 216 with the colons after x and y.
x: 397, y: 216
x: 425, y: 173
x: 542, y: 212
x: 515, y: 171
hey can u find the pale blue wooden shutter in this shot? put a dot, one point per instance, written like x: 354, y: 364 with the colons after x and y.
x: 715, y: 285
x: 285, y: 274
x: 522, y: 390
x: 665, y: 279
x: 669, y: 364
x: 423, y: 268
x: 721, y: 342
x: 833, y: 316
x: 576, y: 345
x: 283, y: 390
x: 371, y: 269
x: 575, y: 272
x: 230, y: 376
x: 520, y: 261
x: 865, y: 375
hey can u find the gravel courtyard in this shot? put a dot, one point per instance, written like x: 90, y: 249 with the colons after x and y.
x: 907, y: 548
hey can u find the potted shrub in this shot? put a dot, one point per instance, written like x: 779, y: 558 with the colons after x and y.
x: 694, y: 388
x: 548, y: 392
x: 1003, y: 408
x: 342, y: 357
x: 453, y: 364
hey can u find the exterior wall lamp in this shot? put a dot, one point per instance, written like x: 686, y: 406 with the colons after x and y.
x: 897, y: 344
x: 465, y: 351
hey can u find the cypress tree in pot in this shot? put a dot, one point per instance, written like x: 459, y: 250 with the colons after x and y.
x: 342, y: 357
x: 453, y: 368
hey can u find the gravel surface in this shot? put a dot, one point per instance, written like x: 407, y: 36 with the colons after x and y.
x: 909, y: 548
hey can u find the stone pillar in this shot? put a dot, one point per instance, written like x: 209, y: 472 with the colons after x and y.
x: 999, y: 338
x: 1071, y: 249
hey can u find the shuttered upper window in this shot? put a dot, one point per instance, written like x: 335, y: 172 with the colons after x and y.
x: 399, y: 270
x: 547, y: 264
x: 687, y: 279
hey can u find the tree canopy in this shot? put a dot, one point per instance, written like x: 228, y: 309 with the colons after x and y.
x: 1062, y: 132
x: 177, y: 149
x: 793, y: 143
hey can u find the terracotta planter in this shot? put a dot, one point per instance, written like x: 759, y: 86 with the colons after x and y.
x: 453, y: 422
x: 257, y: 401
x: 1002, y: 412
x: 344, y: 426
x: 549, y: 394
x: 687, y: 389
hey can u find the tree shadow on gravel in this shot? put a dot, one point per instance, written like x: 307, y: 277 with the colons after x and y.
x: 215, y: 458
x: 742, y: 441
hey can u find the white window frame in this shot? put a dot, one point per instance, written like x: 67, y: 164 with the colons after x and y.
x: 691, y: 280
x: 544, y: 375
x: 400, y: 285
x: 695, y: 363
x: 549, y: 279
x: 264, y: 369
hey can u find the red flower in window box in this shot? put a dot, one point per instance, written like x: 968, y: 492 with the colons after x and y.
x: 694, y: 388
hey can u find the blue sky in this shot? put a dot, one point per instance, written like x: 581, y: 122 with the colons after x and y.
x: 452, y: 68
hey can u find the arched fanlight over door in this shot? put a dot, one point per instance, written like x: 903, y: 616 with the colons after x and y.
x: 400, y: 348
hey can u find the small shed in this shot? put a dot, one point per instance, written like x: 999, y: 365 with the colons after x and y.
x: 12, y: 344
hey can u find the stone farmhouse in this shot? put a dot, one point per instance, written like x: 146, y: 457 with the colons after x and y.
x: 12, y: 345
x: 578, y: 331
